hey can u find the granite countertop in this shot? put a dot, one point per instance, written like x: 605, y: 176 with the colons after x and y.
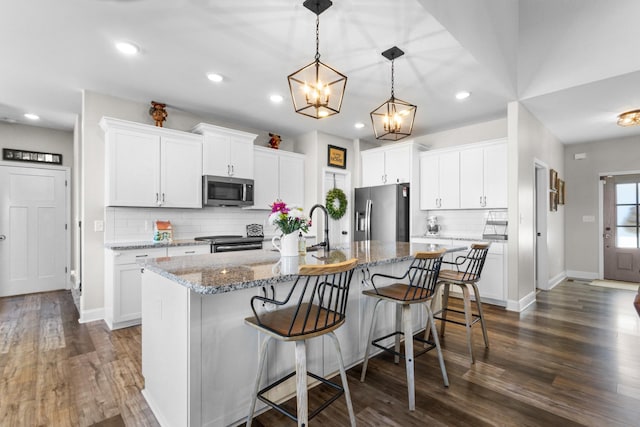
x: 151, y: 244
x: 230, y: 271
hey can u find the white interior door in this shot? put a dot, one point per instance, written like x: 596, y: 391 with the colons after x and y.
x: 33, y: 246
x: 339, y: 230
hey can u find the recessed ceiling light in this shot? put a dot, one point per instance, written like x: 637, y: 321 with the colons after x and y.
x: 276, y: 98
x: 127, y: 48
x: 463, y: 95
x: 215, y: 77
x: 32, y: 116
x: 359, y: 125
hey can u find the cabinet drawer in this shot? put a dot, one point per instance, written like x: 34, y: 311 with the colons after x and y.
x: 135, y: 255
x: 188, y: 250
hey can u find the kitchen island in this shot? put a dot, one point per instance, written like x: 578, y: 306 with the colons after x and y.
x: 199, y: 359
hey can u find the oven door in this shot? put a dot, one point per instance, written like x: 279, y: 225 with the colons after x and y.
x: 227, y: 191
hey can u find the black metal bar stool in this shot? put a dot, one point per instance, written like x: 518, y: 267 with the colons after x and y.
x: 319, y: 310
x: 466, y: 275
x: 422, y: 276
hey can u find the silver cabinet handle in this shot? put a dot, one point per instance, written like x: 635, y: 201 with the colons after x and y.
x: 189, y: 252
x: 157, y: 198
x: 142, y: 256
x: 229, y: 170
x: 233, y: 172
x: 162, y: 197
x: 484, y: 199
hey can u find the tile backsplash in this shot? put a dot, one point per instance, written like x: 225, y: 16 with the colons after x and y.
x: 460, y: 223
x: 136, y: 224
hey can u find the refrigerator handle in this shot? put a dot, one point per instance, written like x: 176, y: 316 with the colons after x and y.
x: 368, y: 219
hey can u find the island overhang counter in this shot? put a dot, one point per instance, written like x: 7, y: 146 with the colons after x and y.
x: 199, y: 359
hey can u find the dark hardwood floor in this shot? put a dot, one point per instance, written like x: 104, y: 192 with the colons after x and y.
x: 571, y: 359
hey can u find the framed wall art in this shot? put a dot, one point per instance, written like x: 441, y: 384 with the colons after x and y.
x: 553, y: 201
x: 560, y: 192
x: 15, y: 155
x: 553, y: 180
x: 337, y: 157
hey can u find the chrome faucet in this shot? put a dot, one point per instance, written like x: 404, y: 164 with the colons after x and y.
x: 325, y: 244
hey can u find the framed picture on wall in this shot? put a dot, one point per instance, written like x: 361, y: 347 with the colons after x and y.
x: 553, y: 201
x: 560, y: 192
x: 553, y: 180
x: 337, y: 157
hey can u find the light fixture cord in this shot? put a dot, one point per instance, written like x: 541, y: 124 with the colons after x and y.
x: 392, y: 71
x: 317, y: 37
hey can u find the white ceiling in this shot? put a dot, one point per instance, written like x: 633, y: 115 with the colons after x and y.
x: 573, y: 63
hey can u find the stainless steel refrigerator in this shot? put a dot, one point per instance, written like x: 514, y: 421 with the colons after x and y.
x: 382, y: 213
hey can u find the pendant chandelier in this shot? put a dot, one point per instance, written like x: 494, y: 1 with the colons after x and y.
x: 393, y: 120
x: 317, y: 89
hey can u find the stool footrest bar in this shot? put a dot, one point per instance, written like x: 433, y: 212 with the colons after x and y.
x: 431, y: 346
x: 283, y: 411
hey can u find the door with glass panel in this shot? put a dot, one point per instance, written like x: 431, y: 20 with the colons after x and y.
x: 622, y: 228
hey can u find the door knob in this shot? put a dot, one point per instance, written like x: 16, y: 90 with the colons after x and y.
x: 3, y: 237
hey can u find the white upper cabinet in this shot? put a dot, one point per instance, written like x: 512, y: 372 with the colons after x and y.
x: 440, y: 180
x: 384, y: 165
x: 149, y: 166
x: 483, y: 177
x: 277, y: 175
x: 226, y: 152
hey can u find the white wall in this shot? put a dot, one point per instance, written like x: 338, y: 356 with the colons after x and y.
x: 315, y: 146
x: 582, y: 196
x: 529, y: 141
x: 32, y: 138
x: 493, y: 129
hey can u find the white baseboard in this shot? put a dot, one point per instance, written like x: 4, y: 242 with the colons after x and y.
x: 91, y: 315
x: 522, y: 304
x: 587, y: 275
x: 556, y: 280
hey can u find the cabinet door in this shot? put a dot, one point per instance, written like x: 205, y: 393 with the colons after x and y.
x: 471, y: 176
x: 241, y: 157
x: 429, y: 182
x: 449, y: 169
x: 265, y: 175
x: 397, y: 165
x: 495, y: 176
x: 291, y: 178
x: 133, y: 168
x: 373, y: 172
x: 215, y: 151
x: 181, y: 173
x: 491, y: 284
x: 127, y: 300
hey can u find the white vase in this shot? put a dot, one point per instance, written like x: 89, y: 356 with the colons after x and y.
x: 287, y: 244
x: 286, y: 265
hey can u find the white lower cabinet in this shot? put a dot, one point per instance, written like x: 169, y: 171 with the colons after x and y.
x: 493, y: 281
x: 122, y: 298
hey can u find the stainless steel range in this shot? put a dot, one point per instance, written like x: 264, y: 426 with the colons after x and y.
x: 232, y: 243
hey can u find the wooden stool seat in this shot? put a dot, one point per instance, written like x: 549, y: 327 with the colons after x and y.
x: 399, y: 292
x: 288, y: 327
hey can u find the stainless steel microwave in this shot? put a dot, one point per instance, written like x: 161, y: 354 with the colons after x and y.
x: 226, y: 191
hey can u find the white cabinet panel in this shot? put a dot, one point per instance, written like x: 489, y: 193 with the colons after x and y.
x: 133, y: 168
x: 266, y: 178
x: 181, y: 177
x: 277, y: 175
x: 471, y: 178
x: 373, y: 172
x: 495, y: 176
x: 226, y: 152
x: 397, y: 165
x: 439, y: 180
x: 291, y: 179
x: 483, y: 177
x: 147, y: 166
